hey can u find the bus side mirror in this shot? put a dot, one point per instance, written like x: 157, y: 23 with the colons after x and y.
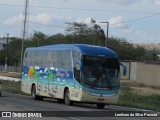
x: 123, y: 68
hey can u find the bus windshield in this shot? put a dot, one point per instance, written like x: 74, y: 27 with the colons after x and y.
x: 100, y: 72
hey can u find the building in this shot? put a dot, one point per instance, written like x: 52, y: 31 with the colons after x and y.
x: 3, y: 42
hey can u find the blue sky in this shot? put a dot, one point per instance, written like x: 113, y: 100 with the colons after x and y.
x: 50, y: 16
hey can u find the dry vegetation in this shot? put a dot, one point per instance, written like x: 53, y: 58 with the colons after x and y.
x: 10, y: 74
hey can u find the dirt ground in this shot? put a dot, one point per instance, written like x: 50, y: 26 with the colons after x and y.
x: 141, y: 88
x: 146, y: 90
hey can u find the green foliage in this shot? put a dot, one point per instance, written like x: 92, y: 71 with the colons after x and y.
x: 126, y: 50
x: 79, y: 33
x: 85, y: 34
x: 14, y: 51
x: 134, y: 99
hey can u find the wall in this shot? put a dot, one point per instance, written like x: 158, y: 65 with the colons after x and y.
x: 9, y: 68
x: 149, y: 74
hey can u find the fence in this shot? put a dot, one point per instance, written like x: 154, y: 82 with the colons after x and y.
x: 10, y: 68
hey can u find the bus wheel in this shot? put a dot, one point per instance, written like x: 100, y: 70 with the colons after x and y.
x: 0, y: 89
x: 100, y: 105
x: 60, y: 101
x: 33, y: 93
x: 67, y: 100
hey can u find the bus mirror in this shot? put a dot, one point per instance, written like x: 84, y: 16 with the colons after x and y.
x: 77, y: 66
x: 123, y: 68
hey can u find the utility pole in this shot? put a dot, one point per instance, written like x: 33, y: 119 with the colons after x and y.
x: 106, y: 41
x: 6, y: 59
x: 24, y: 31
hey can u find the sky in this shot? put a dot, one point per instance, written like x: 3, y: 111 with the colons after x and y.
x: 137, y: 21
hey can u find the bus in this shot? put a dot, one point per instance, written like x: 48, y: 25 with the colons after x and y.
x: 72, y: 73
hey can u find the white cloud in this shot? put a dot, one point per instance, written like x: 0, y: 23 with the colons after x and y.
x: 86, y: 20
x: 116, y: 21
x: 13, y: 20
x: 157, y: 3
x: 58, y: 17
x: 43, y: 18
x: 123, y: 2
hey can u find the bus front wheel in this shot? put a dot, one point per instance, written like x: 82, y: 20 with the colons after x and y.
x: 67, y: 100
x: 100, y: 105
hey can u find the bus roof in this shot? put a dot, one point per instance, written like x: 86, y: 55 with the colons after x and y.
x: 90, y: 50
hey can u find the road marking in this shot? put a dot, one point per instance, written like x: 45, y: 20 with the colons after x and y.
x: 79, y: 109
x: 74, y: 118
x: 28, y: 109
x: 10, y: 105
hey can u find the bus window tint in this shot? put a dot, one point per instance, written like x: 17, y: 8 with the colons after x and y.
x: 101, y: 72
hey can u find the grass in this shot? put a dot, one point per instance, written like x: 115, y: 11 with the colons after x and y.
x: 11, y: 86
x: 128, y: 97
x: 135, y: 84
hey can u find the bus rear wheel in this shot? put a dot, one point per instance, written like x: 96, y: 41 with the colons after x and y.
x: 100, y: 105
x: 33, y: 94
x: 67, y: 100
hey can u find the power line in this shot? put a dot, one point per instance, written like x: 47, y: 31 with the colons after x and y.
x: 136, y: 19
x: 109, y: 24
x: 86, y: 9
x: 53, y: 26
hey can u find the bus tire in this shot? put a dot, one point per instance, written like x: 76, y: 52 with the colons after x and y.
x: 100, y: 105
x: 67, y: 100
x: 0, y: 89
x: 33, y: 93
x: 60, y: 101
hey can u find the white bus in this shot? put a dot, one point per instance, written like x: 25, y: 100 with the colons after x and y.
x: 72, y: 73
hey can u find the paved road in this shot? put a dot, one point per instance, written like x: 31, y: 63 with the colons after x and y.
x: 15, y: 102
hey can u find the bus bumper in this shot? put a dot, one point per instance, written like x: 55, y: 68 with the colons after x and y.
x: 99, y: 98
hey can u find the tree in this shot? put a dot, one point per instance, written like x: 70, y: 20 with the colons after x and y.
x: 38, y: 36
x: 14, y: 54
x: 79, y: 29
x: 83, y: 33
x: 98, y: 33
